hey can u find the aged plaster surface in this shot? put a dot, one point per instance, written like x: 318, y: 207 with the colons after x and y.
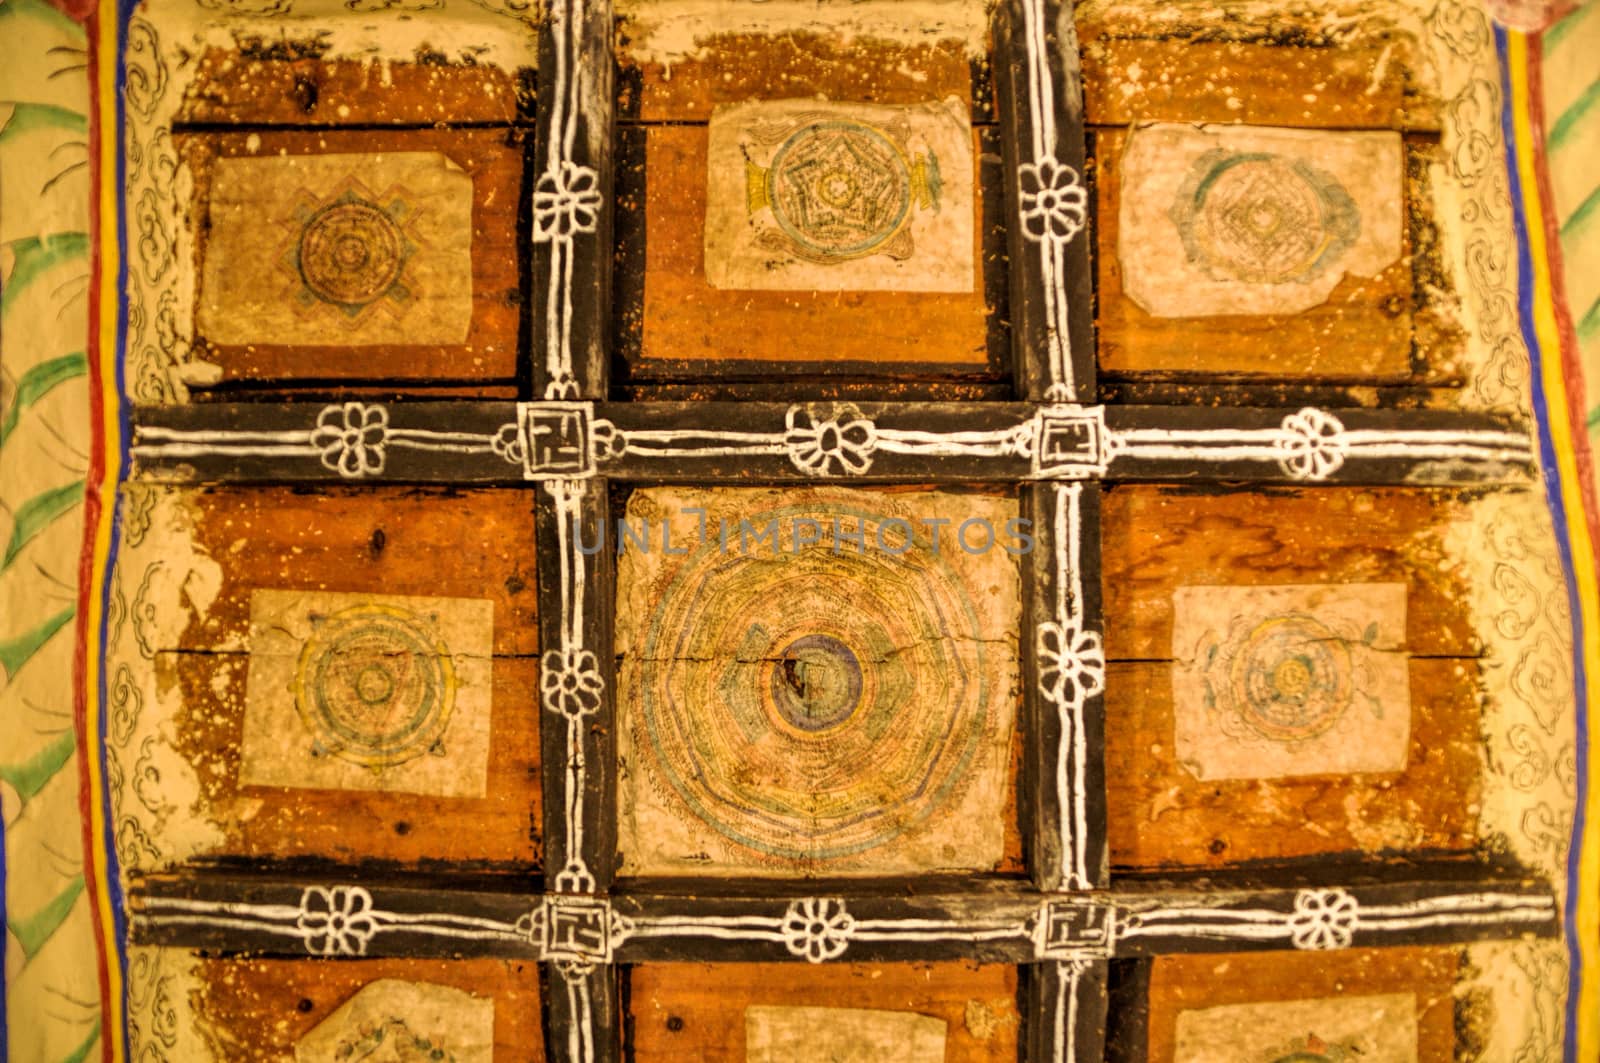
x: 1291, y: 680
x: 818, y: 709
x: 808, y: 195
x: 841, y: 1035
x: 1231, y: 220
x: 1371, y: 1029
x: 347, y: 248
x: 368, y: 692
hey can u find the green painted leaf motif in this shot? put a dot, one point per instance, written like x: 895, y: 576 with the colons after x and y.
x: 37, y: 382
x: 16, y: 652
x: 36, y: 514
x: 35, y: 256
x: 81, y: 1053
x: 28, y: 117
x: 36, y: 929
x: 29, y: 777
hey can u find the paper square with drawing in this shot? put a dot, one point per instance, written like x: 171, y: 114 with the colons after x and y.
x: 803, y: 194
x: 1273, y: 681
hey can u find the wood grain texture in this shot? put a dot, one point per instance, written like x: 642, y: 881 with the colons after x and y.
x: 685, y: 320
x: 735, y: 67
x: 252, y: 1009
x: 1178, y: 983
x: 1158, y: 538
x: 263, y: 85
x: 1362, y: 332
x: 385, y: 542
x: 493, y: 159
x: 696, y: 1011
x: 1160, y: 815
x: 1186, y: 74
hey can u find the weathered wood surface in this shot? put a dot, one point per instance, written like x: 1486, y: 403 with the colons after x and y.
x: 568, y: 317
x: 494, y: 160
x: 735, y: 67
x: 1161, y: 815
x: 1159, y: 538
x: 684, y: 1011
x: 912, y: 442
x: 282, y: 85
x: 1191, y: 72
x: 257, y: 1009
x: 385, y: 544
x: 1182, y: 983
x: 1041, y: 111
x: 989, y: 919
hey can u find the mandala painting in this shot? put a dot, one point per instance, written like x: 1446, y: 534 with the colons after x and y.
x: 811, y: 195
x: 795, y: 703
x: 363, y: 692
x: 343, y: 248
x: 1222, y: 220
x: 1291, y: 680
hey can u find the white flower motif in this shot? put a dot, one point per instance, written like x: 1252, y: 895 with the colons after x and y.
x: 817, y: 929
x: 507, y: 443
x: 351, y: 438
x: 829, y: 447
x: 575, y: 878
x: 337, y: 921
x: 1312, y: 445
x: 1323, y: 919
x: 1053, y: 202
x: 571, y: 683
x: 562, y: 387
x: 1072, y: 663
x: 566, y: 200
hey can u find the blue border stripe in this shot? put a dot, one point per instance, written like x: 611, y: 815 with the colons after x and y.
x: 1551, y: 476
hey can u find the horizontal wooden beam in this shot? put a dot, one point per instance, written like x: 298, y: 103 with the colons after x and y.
x: 508, y: 443
x: 998, y: 920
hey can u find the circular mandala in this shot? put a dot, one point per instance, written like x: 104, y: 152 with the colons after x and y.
x: 839, y: 189
x: 1264, y: 219
x: 350, y: 252
x: 808, y: 705
x: 374, y: 686
x: 1291, y: 678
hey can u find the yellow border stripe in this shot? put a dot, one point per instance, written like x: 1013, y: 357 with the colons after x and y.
x: 1553, y: 384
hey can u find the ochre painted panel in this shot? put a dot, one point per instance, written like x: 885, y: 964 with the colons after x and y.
x: 1362, y: 331
x: 231, y: 87
x: 414, y: 279
x: 734, y: 68
x: 699, y: 1011
x: 1161, y: 813
x: 1357, y: 85
x: 1156, y: 539
x: 350, y: 696
x: 684, y: 318
x: 260, y: 1010
x: 1394, y: 1005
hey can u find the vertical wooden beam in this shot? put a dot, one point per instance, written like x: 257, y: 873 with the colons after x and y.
x: 1040, y: 99
x: 572, y: 202
x: 1064, y: 680
x: 583, y: 1023
x: 1128, y: 996
x: 1067, y: 1002
x: 576, y: 706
